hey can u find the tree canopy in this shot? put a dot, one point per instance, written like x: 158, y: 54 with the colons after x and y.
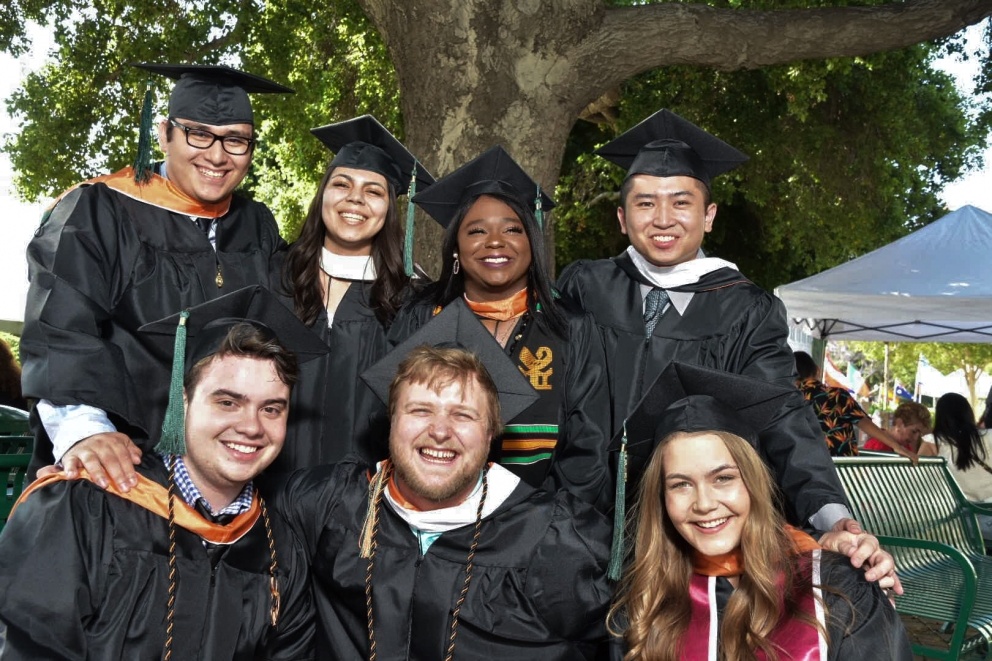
x: 869, y: 357
x: 851, y: 131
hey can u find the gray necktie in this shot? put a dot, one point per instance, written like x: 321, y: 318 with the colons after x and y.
x: 654, y: 305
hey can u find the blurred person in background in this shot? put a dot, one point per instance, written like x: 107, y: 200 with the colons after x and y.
x: 839, y: 413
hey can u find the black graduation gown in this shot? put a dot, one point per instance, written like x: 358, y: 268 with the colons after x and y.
x: 103, y: 264
x: 861, y: 623
x: 731, y: 324
x: 84, y: 575
x: 565, y: 434
x: 332, y: 412
x: 538, y: 588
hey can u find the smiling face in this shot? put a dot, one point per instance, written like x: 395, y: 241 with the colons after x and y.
x: 235, y: 425
x: 493, y: 249
x: 666, y: 217
x: 207, y: 175
x: 354, y: 210
x: 704, y: 495
x: 439, y: 442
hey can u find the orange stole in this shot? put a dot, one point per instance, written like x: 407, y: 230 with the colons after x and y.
x: 158, y: 192
x: 504, y: 310
x: 155, y: 498
x: 732, y: 564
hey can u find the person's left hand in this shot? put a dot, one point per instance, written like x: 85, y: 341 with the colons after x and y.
x: 847, y: 538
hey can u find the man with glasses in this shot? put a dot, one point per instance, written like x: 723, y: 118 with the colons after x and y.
x: 128, y: 248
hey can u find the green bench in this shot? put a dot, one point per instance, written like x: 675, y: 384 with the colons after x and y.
x: 13, y: 421
x: 921, y: 517
x: 15, y: 453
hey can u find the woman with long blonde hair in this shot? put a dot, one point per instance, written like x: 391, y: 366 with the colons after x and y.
x: 717, y: 574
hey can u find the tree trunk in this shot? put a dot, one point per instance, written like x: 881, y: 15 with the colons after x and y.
x: 475, y: 73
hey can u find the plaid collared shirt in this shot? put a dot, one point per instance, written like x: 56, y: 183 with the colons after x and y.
x: 192, y: 495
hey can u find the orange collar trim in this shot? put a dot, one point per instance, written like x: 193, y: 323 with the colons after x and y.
x: 395, y: 493
x: 504, y: 310
x: 732, y: 563
x: 158, y: 192
x: 155, y: 498
x: 397, y: 496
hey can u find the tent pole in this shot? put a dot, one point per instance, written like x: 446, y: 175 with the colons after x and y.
x: 885, y: 380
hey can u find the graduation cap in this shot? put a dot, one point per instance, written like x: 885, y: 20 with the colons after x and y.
x: 198, y: 332
x: 205, y: 93
x: 213, y: 94
x: 665, y: 145
x: 493, y: 171
x: 457, y: 326
x: 365, y: 144
x: 688, y: 398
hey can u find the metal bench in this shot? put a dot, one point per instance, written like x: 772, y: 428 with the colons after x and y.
x: 13, y: 420
x: 15, y: 453
x: 921, y: 517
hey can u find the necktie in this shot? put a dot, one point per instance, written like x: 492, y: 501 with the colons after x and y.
x: 214, y: 551
x: 204, y: 224
x: 654, y: 305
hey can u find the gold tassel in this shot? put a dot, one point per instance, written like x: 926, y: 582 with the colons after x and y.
x: 376, y: 485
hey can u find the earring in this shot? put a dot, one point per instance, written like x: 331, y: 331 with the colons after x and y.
x: 456, y: 267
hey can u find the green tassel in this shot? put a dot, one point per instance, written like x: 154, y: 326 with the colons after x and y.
x: 143, y: 160
x: 617, y: 552
x: 173, y: 440
x: 538, y: 209
x: 408, y: 239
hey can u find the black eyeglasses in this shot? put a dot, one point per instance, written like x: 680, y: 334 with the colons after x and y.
x: 235, y: 145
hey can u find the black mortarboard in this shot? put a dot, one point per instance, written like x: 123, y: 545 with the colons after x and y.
x: 365, y: 144
x: 198, y: 332
x: 457, y: 326
x: 213, y: 94
x: 689, y: 398
x: 665, y: 145
x: 493, y: 171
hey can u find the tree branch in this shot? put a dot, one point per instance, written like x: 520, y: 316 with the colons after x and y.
x: 635, y: 39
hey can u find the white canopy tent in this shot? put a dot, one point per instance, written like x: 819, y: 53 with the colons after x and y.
x: 934, y: 285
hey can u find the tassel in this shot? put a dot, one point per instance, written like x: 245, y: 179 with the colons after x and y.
x: 617, y: 551
x: 539, y: 209
x: 408, y: 238
x: 143, y: 160
x: 376, y: 485
x: 173, y: 440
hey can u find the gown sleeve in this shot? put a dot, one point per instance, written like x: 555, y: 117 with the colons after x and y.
x: 296, y: 629
x: 409, y: 319
x: 78, y: 263
x: 55, y: 555
x: 574, y: 603
x: 794, y: 445
x: 581, y: 464
x: 861, y: 623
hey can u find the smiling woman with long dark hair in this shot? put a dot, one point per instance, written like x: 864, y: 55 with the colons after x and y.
x: 494, y: 261
x: 345, y: 275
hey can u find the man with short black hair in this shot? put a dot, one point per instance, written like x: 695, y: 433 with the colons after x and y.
x: 129, y: 248
x: 662, y: 300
